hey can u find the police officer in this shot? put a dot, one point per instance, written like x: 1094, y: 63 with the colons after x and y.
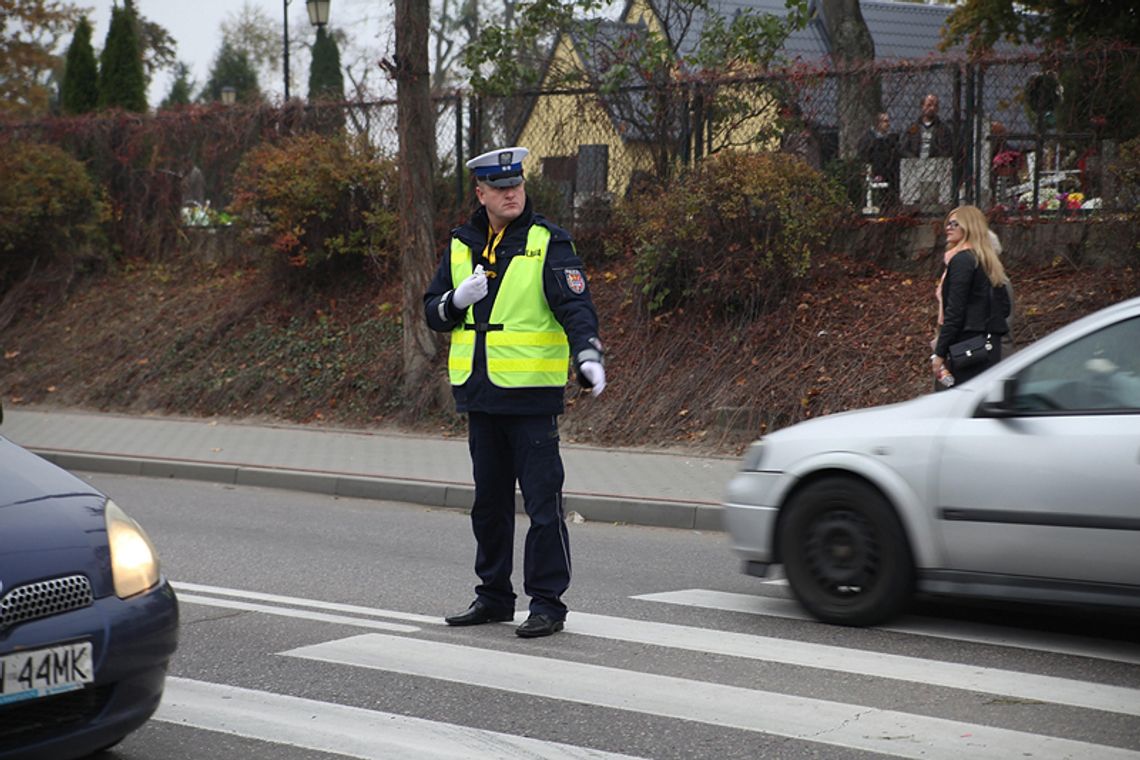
x: 512, y: 292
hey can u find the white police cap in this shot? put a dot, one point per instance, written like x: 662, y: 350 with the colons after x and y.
x: 501, y: 167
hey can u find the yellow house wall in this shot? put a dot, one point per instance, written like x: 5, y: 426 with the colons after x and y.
x: 558, y: 124
x: 739, y: 135
x: 640, y: 12
x: 742, y: 134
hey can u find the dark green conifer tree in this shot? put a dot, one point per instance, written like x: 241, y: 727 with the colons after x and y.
x: 326, y: 81
x: 122, y: 83
x: 232, y: 69
x: 179, y: 94
x: 79, y: 91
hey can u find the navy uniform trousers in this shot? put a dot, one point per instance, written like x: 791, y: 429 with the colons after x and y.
x: 523, y: 448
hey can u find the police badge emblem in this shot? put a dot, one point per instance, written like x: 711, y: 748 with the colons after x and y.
x: 575, y: 281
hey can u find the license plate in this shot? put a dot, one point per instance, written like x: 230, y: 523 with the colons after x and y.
x: 43, y: 672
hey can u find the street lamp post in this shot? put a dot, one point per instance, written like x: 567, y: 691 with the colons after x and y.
x: 318, y: 16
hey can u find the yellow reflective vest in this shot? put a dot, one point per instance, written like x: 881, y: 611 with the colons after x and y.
x: 525, y: 345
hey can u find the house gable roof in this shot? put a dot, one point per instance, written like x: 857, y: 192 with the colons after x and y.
x: 596, y: 44
x: 901, y: 31
x: 590, y: 44
x: 905, y: 31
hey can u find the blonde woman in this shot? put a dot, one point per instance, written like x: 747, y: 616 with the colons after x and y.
x: 972, y: 297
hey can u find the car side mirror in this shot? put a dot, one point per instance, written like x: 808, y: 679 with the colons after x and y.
x: 1005, y: 405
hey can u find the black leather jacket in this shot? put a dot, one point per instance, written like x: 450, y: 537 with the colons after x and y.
x: 941, y: 140
x: 970, y: 304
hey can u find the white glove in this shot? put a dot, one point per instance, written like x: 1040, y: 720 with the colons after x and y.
x: 596, y: 374
x: 473, y: 289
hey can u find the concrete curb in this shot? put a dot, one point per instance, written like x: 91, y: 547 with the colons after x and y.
x: 592, y: 507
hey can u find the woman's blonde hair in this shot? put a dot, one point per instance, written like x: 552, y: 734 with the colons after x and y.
x: 976, y: 237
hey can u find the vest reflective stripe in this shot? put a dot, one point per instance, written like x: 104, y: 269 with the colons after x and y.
x: 531, y: 351
x: 462, y: 341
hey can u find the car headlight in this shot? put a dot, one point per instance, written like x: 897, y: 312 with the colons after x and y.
x: 134, y: 562
x: 753, y: 457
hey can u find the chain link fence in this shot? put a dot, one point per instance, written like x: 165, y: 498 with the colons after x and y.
x: 1033, y: 135
x: 1038, y: 136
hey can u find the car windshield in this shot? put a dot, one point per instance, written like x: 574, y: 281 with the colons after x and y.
x: 1098, y: 372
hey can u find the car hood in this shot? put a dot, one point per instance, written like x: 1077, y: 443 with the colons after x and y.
x: 51, y: 523
x: 26, y: 477
x: 877, y: 421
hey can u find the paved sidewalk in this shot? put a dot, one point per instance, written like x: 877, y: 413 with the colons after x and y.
x: 613, y: 485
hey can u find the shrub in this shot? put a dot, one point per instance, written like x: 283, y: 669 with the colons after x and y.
x: 50, y: 211
x: 550, y: 200
x: 319, y: 197
x: 732, y: 234
x: 847, y: 174
x: 1127, y: 169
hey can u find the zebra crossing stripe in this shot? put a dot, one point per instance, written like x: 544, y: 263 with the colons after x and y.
x: 322, y: 617
x: 976, y: 633
x: 343, y: 730
x: 297, y: 601
x: 888, y: 732
x: 1005, y: 683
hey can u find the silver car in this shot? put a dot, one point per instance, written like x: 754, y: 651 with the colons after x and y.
x: 1021, y: 484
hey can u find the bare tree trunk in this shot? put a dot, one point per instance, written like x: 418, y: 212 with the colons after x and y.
x: 860, y: 92
x: 416, y: 128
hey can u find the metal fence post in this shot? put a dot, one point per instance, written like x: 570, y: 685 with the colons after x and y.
x: 458, y: 151
x: 687, y: 130
x: 956, y: 166
x: 969, y: 131
x: 698, y: 126
x: 475, y: 128
x: 981, y: 147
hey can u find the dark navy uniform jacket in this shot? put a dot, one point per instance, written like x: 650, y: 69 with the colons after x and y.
x: 574, y: 311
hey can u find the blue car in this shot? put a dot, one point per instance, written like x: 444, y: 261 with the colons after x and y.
x: 88, y: 624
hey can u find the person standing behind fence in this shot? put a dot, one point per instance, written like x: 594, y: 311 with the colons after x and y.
x: 972, y: 297
x: 928, y: 136
x: 513, y: 293
x: 879, y: 147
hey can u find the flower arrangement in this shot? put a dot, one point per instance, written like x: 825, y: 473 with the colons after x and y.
x: 1050, y: 199
x: 1007, y: 159
x: 198, y: 215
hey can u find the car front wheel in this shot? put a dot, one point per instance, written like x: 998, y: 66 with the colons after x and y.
x: 845, y: 553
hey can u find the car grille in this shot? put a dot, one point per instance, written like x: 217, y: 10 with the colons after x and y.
x: 44, y: 598
x: 24, y: 722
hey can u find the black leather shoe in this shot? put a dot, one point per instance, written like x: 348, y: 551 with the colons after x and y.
x: 479, y: 613
x: 538, y: 625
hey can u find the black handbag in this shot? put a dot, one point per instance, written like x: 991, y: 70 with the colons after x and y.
x: 970, y: 352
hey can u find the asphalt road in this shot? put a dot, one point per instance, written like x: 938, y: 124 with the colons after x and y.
x: 312, y: 628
